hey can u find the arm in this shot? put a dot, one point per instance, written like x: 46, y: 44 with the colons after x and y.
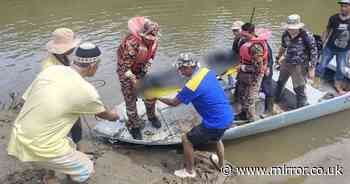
x: 325, y: 35
x: 282, y: 49
x: 312, y: 51
x: 109, y: 115
x: 257, y: 52
x: 171, y: 102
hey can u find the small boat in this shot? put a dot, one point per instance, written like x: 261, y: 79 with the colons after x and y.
x: 178, y: 120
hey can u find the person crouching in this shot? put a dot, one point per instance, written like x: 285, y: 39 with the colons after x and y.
x: 55, y: 100
x: 208, y: 98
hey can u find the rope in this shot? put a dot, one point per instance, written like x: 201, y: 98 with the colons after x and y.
x: 98, y: 83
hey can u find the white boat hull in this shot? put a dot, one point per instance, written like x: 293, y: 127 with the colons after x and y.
x: 290, y: 118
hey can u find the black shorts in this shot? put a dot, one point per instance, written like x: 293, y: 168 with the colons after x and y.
x: 200, y: 135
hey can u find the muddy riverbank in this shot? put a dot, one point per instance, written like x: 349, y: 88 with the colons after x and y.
x: 128, y: 164
x: 114, y: 164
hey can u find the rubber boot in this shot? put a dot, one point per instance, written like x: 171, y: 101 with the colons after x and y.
x: 278, y: 92
x: 301, y: 96
x: 338, y: 85
x: 269, y: 105
x: 136, y: 133
x: 155, y: 122
x: 241, y: 116
x: 151, y: 113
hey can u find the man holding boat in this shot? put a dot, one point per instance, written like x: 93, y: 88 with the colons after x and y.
x: 60, y: 47
x: 55, y: 100
x: 337, y: 43
x: 134, y: 56
x: 208, y: 98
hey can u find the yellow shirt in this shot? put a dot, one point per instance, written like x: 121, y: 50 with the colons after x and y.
x: 54, y: 101
x: 49, y: 61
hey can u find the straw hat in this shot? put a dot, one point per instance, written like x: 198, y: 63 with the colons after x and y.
x: 237, y: 25
x: 62, y: 41
x: 293, y: 22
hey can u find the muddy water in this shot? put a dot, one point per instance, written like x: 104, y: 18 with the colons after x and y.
x: 196, y: 25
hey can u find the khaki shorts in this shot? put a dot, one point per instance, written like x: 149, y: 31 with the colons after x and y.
x: 75, y: 164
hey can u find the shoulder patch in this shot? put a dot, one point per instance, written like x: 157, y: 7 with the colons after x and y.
x: 194, y: 82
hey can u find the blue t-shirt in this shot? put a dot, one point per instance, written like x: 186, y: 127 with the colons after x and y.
x: 208, y: 98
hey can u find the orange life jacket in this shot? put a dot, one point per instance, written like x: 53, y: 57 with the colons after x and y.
x: 244, y: 51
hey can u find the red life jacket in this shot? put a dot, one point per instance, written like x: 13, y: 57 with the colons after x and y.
x: 244, y: 51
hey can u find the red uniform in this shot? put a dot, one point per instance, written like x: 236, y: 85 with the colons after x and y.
x: 134, y: 54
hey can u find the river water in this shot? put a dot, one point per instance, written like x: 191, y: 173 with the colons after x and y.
x: 186, y: 25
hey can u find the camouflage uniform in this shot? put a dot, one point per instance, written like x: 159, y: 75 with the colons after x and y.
x: 128, y: 60
x: 301, y: 55
x: 249, y: 81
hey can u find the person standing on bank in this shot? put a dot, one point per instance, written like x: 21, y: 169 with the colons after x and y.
x: 337, y: 43
x: 134, y: 56
x: 300, y: 57
x: 208, y: 98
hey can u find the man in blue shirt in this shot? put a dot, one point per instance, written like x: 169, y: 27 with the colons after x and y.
x: 208, y: 98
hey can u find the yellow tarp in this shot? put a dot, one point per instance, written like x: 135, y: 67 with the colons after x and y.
x: 166, y: 91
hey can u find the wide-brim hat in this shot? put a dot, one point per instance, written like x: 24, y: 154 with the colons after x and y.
x: 63, y: 40
x: 293, y: 22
